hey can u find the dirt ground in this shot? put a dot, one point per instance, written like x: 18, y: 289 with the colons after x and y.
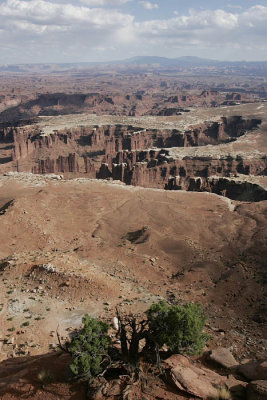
x: 66, y: 251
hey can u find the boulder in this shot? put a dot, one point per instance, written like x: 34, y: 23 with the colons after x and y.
x: 254, y: 371
x: 257, y: 390
x: 115, y: 323
x: 193, y: 378
x: 222, y: 357
x: 236, y: 387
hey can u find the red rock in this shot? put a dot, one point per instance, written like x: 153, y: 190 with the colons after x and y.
x: 254, y: 371
x: 194, y: 379
x: 222, y: 357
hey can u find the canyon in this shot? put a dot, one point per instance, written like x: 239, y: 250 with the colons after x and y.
x: 196, y: 151
x: 122, y: 188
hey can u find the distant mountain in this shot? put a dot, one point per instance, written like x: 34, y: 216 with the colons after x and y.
x: 185, y: 61
x: 164, y: 61
x: 150, y: 62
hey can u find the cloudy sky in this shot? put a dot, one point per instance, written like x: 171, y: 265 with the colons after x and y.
x: 101, y: 30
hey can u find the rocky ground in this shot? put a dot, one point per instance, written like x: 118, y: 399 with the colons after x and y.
x: 71, y: 244
x: 65, y: 251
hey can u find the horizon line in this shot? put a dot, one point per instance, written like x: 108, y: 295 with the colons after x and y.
x: 132, y: 58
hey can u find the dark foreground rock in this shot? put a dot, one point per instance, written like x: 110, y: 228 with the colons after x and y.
x: 257, y: 390
x: 254, y: 371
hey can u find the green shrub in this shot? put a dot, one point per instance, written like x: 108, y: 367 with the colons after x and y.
x: 89, y: 348
x: 178, y: 327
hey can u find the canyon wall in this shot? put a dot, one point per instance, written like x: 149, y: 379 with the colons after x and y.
x: 136, y: 156
x: 142, y: 102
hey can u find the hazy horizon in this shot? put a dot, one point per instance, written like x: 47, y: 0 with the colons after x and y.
x: 136, y: 57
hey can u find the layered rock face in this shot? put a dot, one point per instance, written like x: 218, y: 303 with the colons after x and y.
x: 144, y: 167
x: 158, y: 167
x: 138, y: 156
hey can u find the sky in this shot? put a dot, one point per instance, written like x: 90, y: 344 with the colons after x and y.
x: 48, y: 31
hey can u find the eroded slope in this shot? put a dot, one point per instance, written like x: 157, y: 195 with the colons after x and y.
x: 70, y: 247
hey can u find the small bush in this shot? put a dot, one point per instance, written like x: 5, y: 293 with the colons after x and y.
x: 89, y: 348
x: 26, y: 323
x: 178, y: 327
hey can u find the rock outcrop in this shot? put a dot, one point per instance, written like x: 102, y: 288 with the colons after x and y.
x: 198, y: 381
x: 192, y: 379
x: 140, y: 157
x: 222, y: 357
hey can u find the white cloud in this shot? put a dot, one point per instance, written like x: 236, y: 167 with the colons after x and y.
x: 148, y: 5
x: 44, y: 12
x: 42, y: 31
x: 100, y: 3
x: 195, y: 22
x: 209, y: 33
x: 53, y: 30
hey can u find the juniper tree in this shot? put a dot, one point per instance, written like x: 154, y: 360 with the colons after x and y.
x: 178, y: 327
x: 89, y: 348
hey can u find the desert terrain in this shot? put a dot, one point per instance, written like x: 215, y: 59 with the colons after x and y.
x: 122, y: 189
